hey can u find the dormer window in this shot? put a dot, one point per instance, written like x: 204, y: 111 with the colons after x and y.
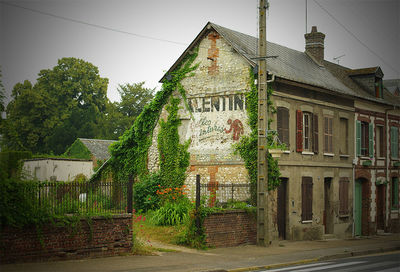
x: 378, y: 87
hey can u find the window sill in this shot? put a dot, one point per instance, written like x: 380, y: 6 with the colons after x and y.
x: 344, y: 156
x: 307, y: 153
x: 365, y: 158
x: 329, y: 155
x: 306, y: 222
x: 381, y: 158
x: 344, y: 215
x: 286, y: 151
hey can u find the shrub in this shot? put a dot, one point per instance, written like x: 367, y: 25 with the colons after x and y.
x: 172, y: 213
x: 145, y: 193
x: 19, y: 204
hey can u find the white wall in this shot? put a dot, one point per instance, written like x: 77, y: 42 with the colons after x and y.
x: 56, y: 169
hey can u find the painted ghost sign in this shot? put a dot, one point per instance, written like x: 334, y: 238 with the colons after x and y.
x: 218, y: 121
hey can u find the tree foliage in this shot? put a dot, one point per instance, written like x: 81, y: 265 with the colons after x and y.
x: 67, y: 102
x: 120, y: 116
x: 2, y: 95
x: 129, y: 155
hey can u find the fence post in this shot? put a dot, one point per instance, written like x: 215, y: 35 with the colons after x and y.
x: 130, y: 194
x: 198, y: 223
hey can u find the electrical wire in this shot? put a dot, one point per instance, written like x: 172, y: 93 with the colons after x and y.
x: 355, y: 37
x: 92, y: 25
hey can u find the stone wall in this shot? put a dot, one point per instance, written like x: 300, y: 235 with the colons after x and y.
x: 230, y: 228
x: 214, y: 117
x: 95, y: 238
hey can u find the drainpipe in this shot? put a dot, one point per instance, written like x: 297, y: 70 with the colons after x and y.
x: 387, y: 204
x: 272, y: 79
x: 354, y: 179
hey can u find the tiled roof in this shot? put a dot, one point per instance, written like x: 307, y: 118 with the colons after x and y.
x: 289, y: 64
x: 392, y: 85
x: 294, y: 65
x: 98, y: 148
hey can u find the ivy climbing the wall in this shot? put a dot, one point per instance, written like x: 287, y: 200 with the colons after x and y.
x: 129, y: 154
x: 174, y: 158
x: 247, y: 146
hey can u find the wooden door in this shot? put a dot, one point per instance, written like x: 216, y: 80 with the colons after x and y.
x: 327, y: 220
x: 282, y: 211
x: 380, y: 207
x: 358, y: 207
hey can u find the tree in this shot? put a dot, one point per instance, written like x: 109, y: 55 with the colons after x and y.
x: 67, y: 102
x: 120, y: 116
x: 133, y: 98
x: 2, y: 95
x: 29, y: 118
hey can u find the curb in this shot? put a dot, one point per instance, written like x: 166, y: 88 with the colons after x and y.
x: 323, y: 258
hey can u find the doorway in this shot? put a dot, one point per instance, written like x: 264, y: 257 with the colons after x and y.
x: 361, y: 207
x: 328, y: 212
x: 380, y: 207
x: 282, y: 208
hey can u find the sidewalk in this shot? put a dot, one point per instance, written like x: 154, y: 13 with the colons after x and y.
x: 243, y: 258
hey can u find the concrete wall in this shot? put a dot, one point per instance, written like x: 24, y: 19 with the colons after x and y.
x: 320, y: 166
x: 52, y: 169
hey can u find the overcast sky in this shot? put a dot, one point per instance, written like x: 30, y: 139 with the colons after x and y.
x: 132, y: 41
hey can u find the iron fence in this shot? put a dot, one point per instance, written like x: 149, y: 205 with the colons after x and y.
x: 61, y: 198
x: 219, y: 194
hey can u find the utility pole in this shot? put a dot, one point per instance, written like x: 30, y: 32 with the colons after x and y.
x: 263, y: 233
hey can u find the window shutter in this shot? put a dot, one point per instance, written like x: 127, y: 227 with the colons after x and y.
x: 371, y: 139
x: 358, y: 138
x: 343, y: 196
x: 394, y: 141
x: 299, y: 131
x: 285, y: 125
x: 307, y: 198
x: 331, y: 135
x: 395, y: 192
x: 279, y: 119
x: 315, y: 133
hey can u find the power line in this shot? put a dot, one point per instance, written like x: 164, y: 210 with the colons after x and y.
x: 355, y: 37
x: 91, y: 24
x: 102, y: 26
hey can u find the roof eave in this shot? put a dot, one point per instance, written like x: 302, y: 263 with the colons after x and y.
x: 202, y: 33
x: 190, y: 47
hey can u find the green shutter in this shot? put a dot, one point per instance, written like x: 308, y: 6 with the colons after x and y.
x: 371, y: 139
x: 395, y: 193
x: 394, y: 142
x: 358, y: 138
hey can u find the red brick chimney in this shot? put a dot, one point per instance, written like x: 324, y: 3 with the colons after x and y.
x: 315, y: 44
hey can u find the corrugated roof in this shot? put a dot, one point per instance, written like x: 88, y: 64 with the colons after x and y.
x: 98, y: 148
x: 291, y: 64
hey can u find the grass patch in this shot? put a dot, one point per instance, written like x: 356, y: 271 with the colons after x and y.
x: 163, y: 234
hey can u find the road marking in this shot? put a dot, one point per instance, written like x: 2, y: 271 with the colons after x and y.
x: 296, y: 267
x: 311, y: 267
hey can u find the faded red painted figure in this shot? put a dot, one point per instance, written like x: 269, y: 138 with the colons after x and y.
x: 237, y: 128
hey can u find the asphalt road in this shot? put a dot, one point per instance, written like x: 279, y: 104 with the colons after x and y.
x: 389, y: 262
